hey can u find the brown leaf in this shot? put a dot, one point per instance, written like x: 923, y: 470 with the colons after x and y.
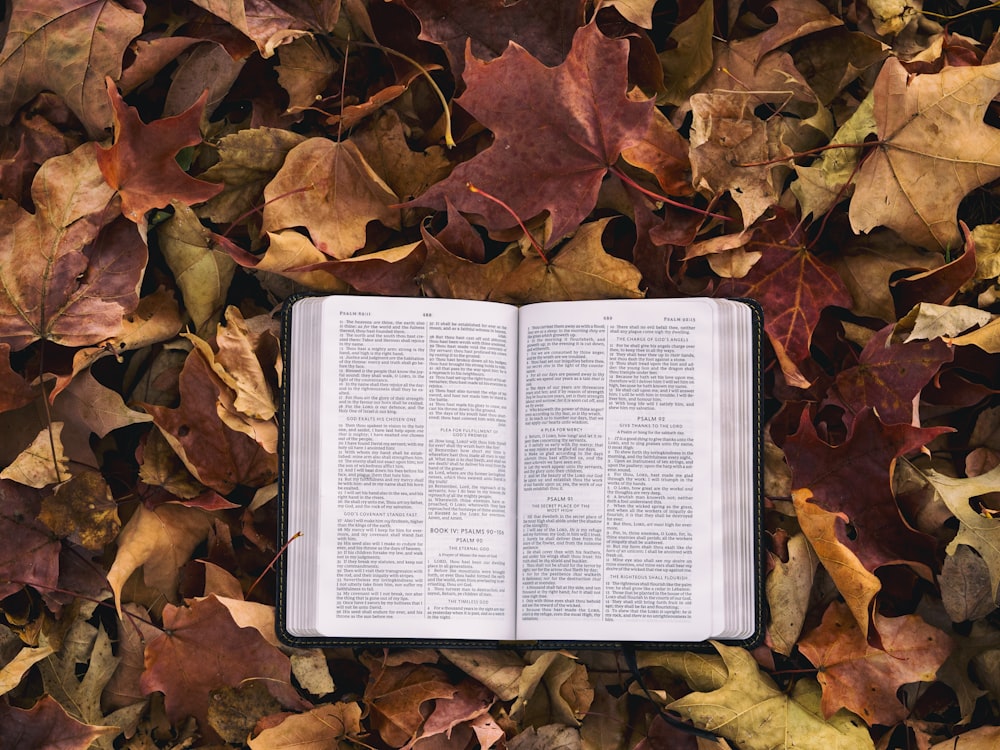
x: 392, y: 272
x: 83, y: 511
x: 559, y: 166
x: 88, y: 404
x: 319, y: 728
x: 395, y: 694
x: 554, y: 686
x: 28, y: 553
x: 43, y: 462
x: 46, y: 725
x: 61, y: 277
x: 581, y: 269
x: 328, y: 188
x: 14, y: 390
x: 203, y: 273
x: 218, y: 456
x: 471, y: 700
x: 201, y: 650
x: 305, y: 70
x: 499, y: 670
x: 663, y: 152
x: 934, y: 148
x: 140, y: 163
x: 966, y: 590
x: 266, y: 23
x: 160, y: 541
x: 789, y: 586
x: 67, y: 48
x: 864, y: 679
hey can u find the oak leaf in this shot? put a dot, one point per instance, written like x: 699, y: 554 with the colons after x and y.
x: 933, y: 149
x: 793, y: 286
x: 331, y: 190
x: 864, y: 679
x: 749, y: 709
x: 140, y: 164
x: 550, y: 158
x: 317, y: 729
x: 62, y: 278
x: 581, y: 269
x: 975, y: 530
x: 68, y: 48
x: 202, y: 649
x: 46, y: 725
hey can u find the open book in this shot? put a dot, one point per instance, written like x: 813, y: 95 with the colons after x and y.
x: 560, y: 472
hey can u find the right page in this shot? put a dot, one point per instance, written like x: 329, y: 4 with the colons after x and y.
x: 619, y: 504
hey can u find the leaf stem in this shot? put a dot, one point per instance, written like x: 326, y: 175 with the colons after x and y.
x: 258, y: 209
x: 48, y: 411
x: 449, y: 140
x: 274, y: 560
x: 473, y: 189
x: 662, y: 198
x: 807, y: 152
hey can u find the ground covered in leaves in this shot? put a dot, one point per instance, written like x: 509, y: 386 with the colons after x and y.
x: 171, y: 172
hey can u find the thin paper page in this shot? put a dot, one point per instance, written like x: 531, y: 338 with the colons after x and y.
x: 418, y: 482
x: 614, y: 456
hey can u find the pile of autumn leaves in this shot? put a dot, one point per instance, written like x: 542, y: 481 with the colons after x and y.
x: 407, y: 149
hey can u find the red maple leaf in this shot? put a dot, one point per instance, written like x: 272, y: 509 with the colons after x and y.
x: 792, y: 285
x: 556, y: 133
x: 855, y: 479
x: 141, y: 163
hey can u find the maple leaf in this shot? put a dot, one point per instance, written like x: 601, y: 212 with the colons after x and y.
x: 853, y: 480
x: 792, y: 285
x: 547, y: 158
x: 202, y: 649
x: 68, y: 48
x: 933, y: 149
x: 544, y: 28
x: 331, y: 190
x: 864, y: 679
x: 582, y: 269
x: 140, y: 164
x: 889, y: 376
x: 62, y: 278
x: 46, y: 725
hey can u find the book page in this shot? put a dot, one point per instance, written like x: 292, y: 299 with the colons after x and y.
x: 615, y: 486
x: 418, y: 481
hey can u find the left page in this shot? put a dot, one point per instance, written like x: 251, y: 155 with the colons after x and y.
x: 417, y: 476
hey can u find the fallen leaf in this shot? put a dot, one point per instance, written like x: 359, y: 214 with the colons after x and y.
x: 544, y: 28
x: 981, y: 738
x: 82, y: 510
x: 395, y: 693
x: 30, y: 555
x: 788, y: 586
x: 62, y: 278
x: 929, y: 321
x: 663, y: 152
x: 499, y: 670
x: 888, y: 376
x: 266, y: 23
x: 203, y: 273
x: 218, y: 456
x: 43, y: 462
x: 46, y: 725
x: 233, y: 712
x: 471, y: 700
x: 67, y: 48
x: 581, y: 269
x: 317, y: 729
x: 202, y: 649
x: 158, y: 540
x: 330, y: 189
x: 14, y: 390
x: 749, y: 709
x: 792, y: 285
x: 553, y: 686
x: 980, y: 532
x: 573, y: 141
x: 140, y: 164
x: 933, y: 149
x: 966, y: 588
x: 305, y: 71
x: 548, y: 737
x: 864, y: 679
x: 99, y: 409
x: 691, y: 58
